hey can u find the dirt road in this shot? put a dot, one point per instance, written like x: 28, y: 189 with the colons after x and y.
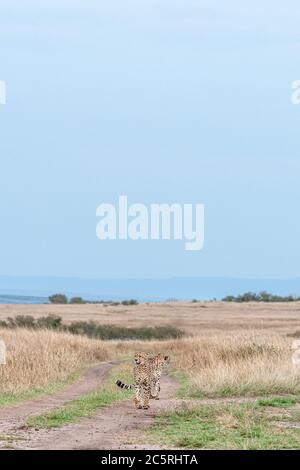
x: 114, y: 427
x: 12, y: 417
x: 119, y: 426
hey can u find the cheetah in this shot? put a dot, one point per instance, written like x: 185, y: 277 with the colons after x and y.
x: 147, y: 373
x: 157, y: 365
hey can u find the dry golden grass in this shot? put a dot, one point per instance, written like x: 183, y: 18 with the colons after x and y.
x: 230, y: 364
x: 247, y: 363
x: 232, y: 349
x: 192, y: 317
x: 37, y: 359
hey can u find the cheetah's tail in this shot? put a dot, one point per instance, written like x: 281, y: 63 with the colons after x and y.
x: 122, y: 385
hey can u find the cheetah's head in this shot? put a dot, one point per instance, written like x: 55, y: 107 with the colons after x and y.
x: 162, y: 359
x: 140, y: 358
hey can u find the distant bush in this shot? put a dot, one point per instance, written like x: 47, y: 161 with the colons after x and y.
x: 130, y: 302
x: 21, y: 321
x: 93, y: 329
x: 107, y: 332
x: 58, y: 299
x: 77, y: 300
x: 296, y: 334
x: 260, y: 297
x: 52, y: 322
x: 27, y: 321
x: 63, y: 299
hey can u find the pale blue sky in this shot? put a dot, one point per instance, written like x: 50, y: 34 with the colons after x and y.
x: 162, y: 100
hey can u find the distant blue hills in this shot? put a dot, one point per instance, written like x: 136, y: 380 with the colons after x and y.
x: 37, y: 289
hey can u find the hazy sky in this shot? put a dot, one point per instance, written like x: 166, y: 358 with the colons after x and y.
x: 164, y: 101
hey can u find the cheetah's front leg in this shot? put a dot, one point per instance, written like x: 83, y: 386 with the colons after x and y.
x: 138, y: 397
x: 146, y: 396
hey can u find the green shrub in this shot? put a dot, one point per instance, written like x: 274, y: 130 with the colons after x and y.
x: 107, y: 332
x: 296, y: 334
x: 58, y: 299
x: 21, y: 321
x: 52, y: 322
x: 93, y: 329
x: 130, y: 302
x: 77, y: 300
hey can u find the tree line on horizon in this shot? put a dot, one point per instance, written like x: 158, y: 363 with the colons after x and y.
x: 260, y: 297
x: 63, y: 299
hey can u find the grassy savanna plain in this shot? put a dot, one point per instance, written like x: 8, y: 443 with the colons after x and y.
x: 192, y: 317
x: 237, y: 386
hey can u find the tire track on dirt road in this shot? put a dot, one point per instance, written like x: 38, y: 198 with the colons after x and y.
x: 14, y: 416
x: 115, y: 427
x: 118, y: 426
